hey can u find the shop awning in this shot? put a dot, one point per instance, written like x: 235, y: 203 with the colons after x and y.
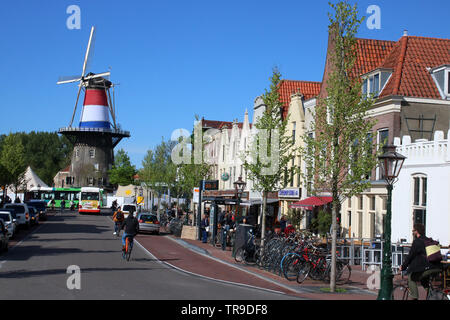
x: 311, y: 202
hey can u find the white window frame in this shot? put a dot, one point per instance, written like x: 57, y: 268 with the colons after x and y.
x: 446, y: 83
x: 371, y: 78
x: 420, y: 205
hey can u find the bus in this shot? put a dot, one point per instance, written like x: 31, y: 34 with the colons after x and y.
x: 57, y: 194
x: 91, y: 200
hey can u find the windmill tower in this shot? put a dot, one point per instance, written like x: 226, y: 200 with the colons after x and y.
x: 95, y: 137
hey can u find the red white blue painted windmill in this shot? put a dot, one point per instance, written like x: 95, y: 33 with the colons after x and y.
x: 95, y: 137
x: 97, y: 98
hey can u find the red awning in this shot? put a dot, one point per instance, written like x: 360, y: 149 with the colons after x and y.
x: 311, y: 202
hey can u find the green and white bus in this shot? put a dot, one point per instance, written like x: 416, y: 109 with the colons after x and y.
x: 57, y: 194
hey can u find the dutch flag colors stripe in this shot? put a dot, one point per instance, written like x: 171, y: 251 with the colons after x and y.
x: 95, y: 110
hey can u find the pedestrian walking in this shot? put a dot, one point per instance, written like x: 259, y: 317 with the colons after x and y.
x: 63, y: 205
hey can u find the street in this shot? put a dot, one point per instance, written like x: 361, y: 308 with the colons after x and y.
x: 37, y: 267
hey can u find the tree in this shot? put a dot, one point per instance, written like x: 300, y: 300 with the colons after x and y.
x: 12, y: 161
x: 341, y: 156
x: 271, y: 149
x: 46, y: 152
x: 122, y: 172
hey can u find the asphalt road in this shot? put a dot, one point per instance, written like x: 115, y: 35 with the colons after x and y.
x: 37, y: 268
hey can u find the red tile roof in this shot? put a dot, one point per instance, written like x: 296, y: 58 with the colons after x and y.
x: 409, y: 60
x: 206, y: 124
x: 370, y: 55
x: 309, y: 89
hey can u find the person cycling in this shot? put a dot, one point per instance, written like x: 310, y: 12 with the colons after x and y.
x: 131, y: 228
x: 118, y: 218
x: 416, y: 264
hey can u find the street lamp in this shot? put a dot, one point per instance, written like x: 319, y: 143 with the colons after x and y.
x: 391, y: 163
x: 239, y: 187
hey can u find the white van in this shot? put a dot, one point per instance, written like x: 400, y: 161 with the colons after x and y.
x: 128, y: 208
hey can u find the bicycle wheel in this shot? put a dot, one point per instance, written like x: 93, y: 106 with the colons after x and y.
x: 400, y: 292
x: 250, y: 258
x: 290, y: 265
x: 240, y: 255
x: 129, y: 248
x: 343, y: 273
x: 303, y: 272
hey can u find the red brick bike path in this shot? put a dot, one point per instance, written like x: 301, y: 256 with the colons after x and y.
x: 217, y: 264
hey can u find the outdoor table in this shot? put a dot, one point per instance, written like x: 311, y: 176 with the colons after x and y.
x: 446, y: 273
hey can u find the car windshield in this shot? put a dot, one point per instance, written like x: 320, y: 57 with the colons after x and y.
x: 148, y: 218
x: 129, y: 208
x: 5, y: 216
x: 17, y: 209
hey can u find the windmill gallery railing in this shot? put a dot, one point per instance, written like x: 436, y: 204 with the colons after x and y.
x: 99, y: 130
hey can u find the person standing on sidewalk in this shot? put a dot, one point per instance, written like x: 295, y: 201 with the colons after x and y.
x: 205, y: 227
x: 416, y: 263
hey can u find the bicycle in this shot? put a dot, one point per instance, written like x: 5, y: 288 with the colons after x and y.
x: 433, y: 285
x: 126, y: 254
x: 248, y: 252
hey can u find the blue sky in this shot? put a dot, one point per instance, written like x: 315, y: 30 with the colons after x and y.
x: 174, y: 59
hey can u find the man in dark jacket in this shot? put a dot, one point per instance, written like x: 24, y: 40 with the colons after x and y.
x: 131, y: 225
x: 416, y: 263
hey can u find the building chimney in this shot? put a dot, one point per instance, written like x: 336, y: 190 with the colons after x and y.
x: 405, y: 33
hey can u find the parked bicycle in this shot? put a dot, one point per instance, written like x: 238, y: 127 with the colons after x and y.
x: 249, y: 252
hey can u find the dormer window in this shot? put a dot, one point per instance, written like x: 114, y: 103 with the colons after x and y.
x: 441, y: 77
x: 374, y: 82
x: 447, y: 83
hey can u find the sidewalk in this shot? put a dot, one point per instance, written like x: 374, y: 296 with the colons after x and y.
x: 356, y: 290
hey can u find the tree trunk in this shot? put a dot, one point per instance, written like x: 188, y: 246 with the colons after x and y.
x: 333, y: 248
x: 263, y: 222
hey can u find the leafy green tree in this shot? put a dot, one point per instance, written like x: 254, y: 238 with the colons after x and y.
x: 122, y: 172
x: 271, y: 150
x: 341, y: 155
x: 12, y: 161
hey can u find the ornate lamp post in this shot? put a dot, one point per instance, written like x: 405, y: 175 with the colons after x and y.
x: 239, y: 187
x: 390, y: 163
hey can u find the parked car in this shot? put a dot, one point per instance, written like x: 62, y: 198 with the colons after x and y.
x: 12, y: 211
x: 41, y: 208
x: 10, y: 222
x: 4, y: 239
x: 22, y: 213
x: 128, y: 208
x: 148, y: 222
x: 34, y: 216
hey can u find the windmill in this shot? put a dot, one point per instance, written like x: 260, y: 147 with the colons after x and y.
x: 94, y: 139
x: 87, y: 81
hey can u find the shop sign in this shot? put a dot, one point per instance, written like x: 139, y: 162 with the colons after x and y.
x: 289, y: 193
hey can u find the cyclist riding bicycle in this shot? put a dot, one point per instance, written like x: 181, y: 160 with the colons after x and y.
x: 118, y: 219
x: 131, y: 228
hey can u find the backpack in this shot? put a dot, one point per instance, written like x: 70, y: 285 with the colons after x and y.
x: 433, y: 250
x: 119, y: 216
